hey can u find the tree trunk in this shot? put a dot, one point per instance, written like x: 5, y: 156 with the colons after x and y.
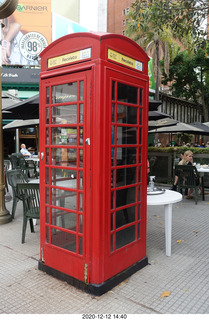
x: 157, y: 83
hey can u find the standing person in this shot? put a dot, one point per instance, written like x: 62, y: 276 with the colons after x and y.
x: 25, y: 151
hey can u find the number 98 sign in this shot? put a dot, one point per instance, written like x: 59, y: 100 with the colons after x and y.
x: 31, y: 45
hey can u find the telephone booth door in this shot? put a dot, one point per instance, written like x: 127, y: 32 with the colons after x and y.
x: 64, y: 181
x: 127, y: 209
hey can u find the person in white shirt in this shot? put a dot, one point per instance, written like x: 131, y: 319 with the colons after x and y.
x: 24, y: 151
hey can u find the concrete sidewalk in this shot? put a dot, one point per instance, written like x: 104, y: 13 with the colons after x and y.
x: 24, y: 289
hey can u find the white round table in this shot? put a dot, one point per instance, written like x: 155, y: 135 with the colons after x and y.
x: 167, y: 199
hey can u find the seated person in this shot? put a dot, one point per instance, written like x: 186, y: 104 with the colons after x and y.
x: 187, y: 160
x: 24, y: 151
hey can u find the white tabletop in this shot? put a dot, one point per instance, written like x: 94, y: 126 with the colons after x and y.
x: 202, y: 169
x: 168, y: 197
x: 35, y: 159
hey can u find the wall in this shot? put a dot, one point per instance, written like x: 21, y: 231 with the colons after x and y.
x: 67, y: 9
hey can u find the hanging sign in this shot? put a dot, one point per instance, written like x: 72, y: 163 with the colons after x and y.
x: 125, y: 60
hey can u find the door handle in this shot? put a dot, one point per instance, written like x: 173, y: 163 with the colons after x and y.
x: 88, y: 141
x: 42, y: 155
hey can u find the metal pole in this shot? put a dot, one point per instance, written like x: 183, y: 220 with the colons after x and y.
x: 5, y: 216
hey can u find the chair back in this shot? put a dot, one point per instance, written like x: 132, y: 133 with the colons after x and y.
x: 14, y: 161
x: 188, y: 176
x: 29, y: 194
x: 13, y: 178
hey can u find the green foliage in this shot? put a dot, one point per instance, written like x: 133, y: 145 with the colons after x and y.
x: 189, y: 76
x: 180, y: 16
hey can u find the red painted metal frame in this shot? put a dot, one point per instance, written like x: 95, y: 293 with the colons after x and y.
x: 99, y: 263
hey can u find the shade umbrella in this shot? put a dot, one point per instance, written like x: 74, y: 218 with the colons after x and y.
x: 154, y: 104
x: 201, y: 126
x: 178, y: 128
x: 157, y: 115
x: 27, y: 109
x: 165, y: 122
x: 8, y: 100
x: 21, y: 123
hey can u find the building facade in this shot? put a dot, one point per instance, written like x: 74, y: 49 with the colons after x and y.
x: 117, y: 11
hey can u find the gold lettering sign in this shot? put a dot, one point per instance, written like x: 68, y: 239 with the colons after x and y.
x: 125, y: 60
x: 69, y: 58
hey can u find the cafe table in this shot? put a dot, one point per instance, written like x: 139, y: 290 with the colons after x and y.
x: 202, y: 170
x: 167, y: 199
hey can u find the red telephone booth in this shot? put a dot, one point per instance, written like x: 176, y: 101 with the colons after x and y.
x: 93, y: 168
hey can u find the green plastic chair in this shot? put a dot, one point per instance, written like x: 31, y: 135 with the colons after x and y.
x: 13, y: 178
x: 29, y: 194
x: 188, y: 177
x: 26, y: 166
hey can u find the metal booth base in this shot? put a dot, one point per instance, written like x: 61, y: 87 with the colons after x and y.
x: 95, y: 289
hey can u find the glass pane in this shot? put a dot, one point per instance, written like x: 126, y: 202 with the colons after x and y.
x: 65, y: 199
x: 112, y: 200
x: 80, y: 202
x: 125, y: 197
x: 47, y: 156
x: 139, y: 229
x: 64, y: 219
x: 127, y: 135
x: 126, y: 156
x: 125, y: 216
x: 127, y: 93
x: 126, y: 176
x: 64, y: 93
x: 64, y: 178
x: 125, y: 236
x: 64, y: 157
x: 47, y: 95
x: 113, y: 90
x: 81, y: 180
x: 47, y: 234
x: 47, y: 175
x: 64, y: 114
x: 81, y: 114
x: 80, y: 245
x: 47, y: 115
x: 112, y: 221
x: 113, y: 112
x: 81, y: 158
x: 140, y: 116
x: 139, y: 212
x: 81, y: 89
x: 139, y: 193
x: 81, y: 136
x: 47, y: 136
x: 141, y: 97
x: 47, y: 196
x: 127, y: 114
x: 112, y: 243
x: 47, y: 214
x: 112, y: 178
x: 80, y: 230
x: 63, y: 239
x: 64, y: 136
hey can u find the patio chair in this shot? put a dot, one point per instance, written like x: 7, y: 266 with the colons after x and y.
x: 13, y: 178
x: 14, y: 161
x: 29, y: 194
x: 26, y: 166
x: 188, y: 177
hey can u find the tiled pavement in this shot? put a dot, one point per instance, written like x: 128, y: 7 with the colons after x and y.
x: 26, y: 290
